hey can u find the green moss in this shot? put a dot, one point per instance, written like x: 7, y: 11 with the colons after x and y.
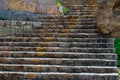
x: 117, y: 49
x: 58, y: 3
x: 63, y: 7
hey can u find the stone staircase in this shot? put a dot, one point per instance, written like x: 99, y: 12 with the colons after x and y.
x: 65, y: 47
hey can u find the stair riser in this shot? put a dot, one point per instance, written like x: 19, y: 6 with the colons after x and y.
x: 56, y: 55
x: 67, y: 27
x: 56, y: 77
x: 80, y: 35
x: 68, y: 19
x: 69, y: 23
x: 63, y: 44
x: 65, y: 31
x: 84, y: 50
x: 56, y: 69
x: 59, y: 62
x: 69, y: 16
x: 52, y: 39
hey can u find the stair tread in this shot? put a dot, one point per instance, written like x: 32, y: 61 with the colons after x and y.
x: 67, y: 59
x: 27, y: 65
x: 56, y: 73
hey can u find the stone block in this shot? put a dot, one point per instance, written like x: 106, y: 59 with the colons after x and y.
x: 40, y: 9
x: 2, y: 23
x: 51, y: 9
x: 20, y: 5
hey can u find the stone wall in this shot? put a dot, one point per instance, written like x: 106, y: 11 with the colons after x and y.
x: 108, y: 18
x: 36, y: 6
x: 26, y: 9
x: 10, y: 28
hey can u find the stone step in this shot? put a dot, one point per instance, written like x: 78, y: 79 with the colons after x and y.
x: 64, y: 31
x: 57, y: 76
x: 90, y: 7
x: 84, y: 15
x: 57, y: 68
x: 58, y: 44
x: 53, y: 39
x: 27, y: 54
x: 68, y: 16
x: 70, y: 35
x: 82, y: 5
x: 68, y: 26
x: 70, y: 23
x: 79, y: 13
x: 68, y: 20
x: 59, y: 61
x: 82, y: 9
x: 58, y: 49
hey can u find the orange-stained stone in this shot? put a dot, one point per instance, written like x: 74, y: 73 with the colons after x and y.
x: 31, y: 75
x: 40, y: 49
x: 71, y: 27
x: 36, y: 60
x: 37, y: 67
x: 45, y: 43
x: 63, y: 35
x: 80, y: 17
x: 40, y: 54
x: 89, y: 14
x: 48, y: 39
x: 92, y: 3
x: 64, y: 31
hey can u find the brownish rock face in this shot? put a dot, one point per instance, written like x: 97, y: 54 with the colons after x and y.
x: 36, y: 6
x: 108, y: 17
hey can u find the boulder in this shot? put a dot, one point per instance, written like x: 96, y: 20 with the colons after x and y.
x: 108, y: 17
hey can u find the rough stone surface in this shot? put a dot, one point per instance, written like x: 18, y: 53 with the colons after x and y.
x: 27, y: 5
x: 26, y: 9
x: 108, y: 17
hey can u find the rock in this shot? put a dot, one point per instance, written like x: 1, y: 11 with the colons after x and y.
x: 108, y: 17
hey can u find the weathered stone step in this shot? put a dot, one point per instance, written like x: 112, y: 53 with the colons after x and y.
x: 58, y: 49
x: 53, y: 39
x: 64, y: 31
x: 68, y: 19
x: 59, y: 61
x: 79, y: 13
x: 25, y: 54
x: 58, y: 76
x: 70, y: 23
x: 56, y: 68
x: 70, y: 35
x: 90, y: 7
x: 82, y: 10
x: 67, y: 16
x: 87, y: 5
x: 68, y: 26
x: 58, y: 44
